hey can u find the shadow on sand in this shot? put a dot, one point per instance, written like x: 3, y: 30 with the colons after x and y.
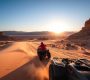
x: 29, y: 71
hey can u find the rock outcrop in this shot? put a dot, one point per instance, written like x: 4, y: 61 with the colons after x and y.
x: 81, y: 38
x: 84, y: 33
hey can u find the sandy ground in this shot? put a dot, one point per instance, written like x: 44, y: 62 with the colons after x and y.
x: 19, y: 61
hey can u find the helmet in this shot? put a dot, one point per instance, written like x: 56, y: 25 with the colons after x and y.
x: 41, y: 42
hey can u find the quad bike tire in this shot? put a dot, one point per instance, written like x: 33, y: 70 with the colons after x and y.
x: 57, y: 72
x: 51, y: 73
x: 43, y: 54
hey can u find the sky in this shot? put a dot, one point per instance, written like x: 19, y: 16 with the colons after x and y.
x: 43, y: 15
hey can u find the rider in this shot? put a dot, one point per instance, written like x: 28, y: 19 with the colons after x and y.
x: 43, y: 52
x: 42, y: 46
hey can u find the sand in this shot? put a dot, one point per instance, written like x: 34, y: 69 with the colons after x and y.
x: 19, y: 61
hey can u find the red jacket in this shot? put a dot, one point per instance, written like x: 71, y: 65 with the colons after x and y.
x: 42, y: 47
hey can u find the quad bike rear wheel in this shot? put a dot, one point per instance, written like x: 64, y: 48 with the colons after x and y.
x: 43, y: 55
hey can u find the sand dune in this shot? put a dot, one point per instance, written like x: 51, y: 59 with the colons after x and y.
x: 20, y: 62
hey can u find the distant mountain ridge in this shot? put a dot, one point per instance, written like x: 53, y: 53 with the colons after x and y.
x: 41, y: 33
x: 4, y: 37
x: 27, y: 33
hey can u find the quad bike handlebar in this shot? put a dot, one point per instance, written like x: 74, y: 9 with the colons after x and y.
x: 69, y: 69
x: 68, y: 61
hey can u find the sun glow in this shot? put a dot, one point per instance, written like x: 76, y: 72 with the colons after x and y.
x: 57, y: 29
x: 58, y: 26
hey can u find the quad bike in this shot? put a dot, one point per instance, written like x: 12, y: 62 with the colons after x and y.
x: 69, y: 69
x: 43, y: 55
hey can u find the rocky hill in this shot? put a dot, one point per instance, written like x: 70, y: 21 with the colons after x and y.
x: 82, y: 38
x: 84, y: 33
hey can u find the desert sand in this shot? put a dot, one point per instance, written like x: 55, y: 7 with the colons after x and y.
x: 19, y: 60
